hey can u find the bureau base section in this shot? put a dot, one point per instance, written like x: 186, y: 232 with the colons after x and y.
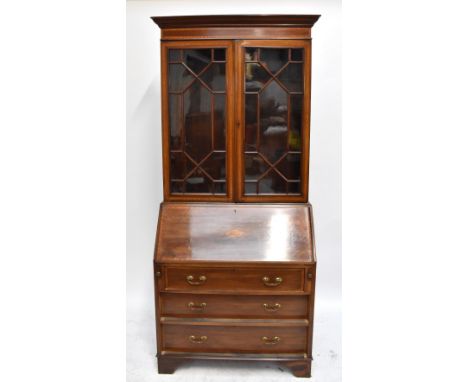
x: 298, y: 364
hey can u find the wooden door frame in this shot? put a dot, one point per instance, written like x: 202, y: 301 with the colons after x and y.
x: 240, y: 120
x: 229, y: 117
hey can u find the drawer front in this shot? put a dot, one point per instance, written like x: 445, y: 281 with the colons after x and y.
x: 263, y: 339
x: 269, y: 280
x: 205, y: 305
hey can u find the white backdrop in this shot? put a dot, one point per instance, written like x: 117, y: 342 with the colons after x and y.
x: 144, y: 168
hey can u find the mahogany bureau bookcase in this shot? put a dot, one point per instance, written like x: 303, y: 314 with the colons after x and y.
x: 235, y: 262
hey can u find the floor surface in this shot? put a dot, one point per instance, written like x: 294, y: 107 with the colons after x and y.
x: 142, y: 365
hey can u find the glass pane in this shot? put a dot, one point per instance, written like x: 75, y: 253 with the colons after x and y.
x: 180, y: 165
x: 215, y: 166
x: 174, y: 120
x: 274, y: 58
x: 251, y: 108
x: 290, y: 166
x: 220, y: 54
x: 219, y: 121
x: 250, y: 188
x: 273, y: 121
x: 294, y: 188
x: 198, y: 182
x: 215, y: 77
x: 295, y: 131
x: 179, y: 78
x: 255, y: 77
x: 177, y: 187
x: 197, y: 121
x: 197, y: 59
x: 292, y: 77
x: 255, y: 166
x: 272, y: 183
x: 175, y: 55
x: 220, y: 188
x: 296, y: 54
x: 251, y: 54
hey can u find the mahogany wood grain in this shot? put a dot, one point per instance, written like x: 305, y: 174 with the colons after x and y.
x: 221, y: 21
x: 234, y: 232
x: 184, y: 34
x: 234, y: 279
x: 235, y: 306
x: 264, y: 339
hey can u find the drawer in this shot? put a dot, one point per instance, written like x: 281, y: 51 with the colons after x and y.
x: 269, y: 280
x: 205, y: 305
x: 243, y: 339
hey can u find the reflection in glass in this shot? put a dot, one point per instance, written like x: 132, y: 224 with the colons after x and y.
x: 273, y: 121
x: 177, y: 187
x: 174, y: 120
x: 198, y: 182
x: 197, y: 121
x: 295, y: 131
x: 251, y: 126
x: 251, y: 54
x: 175, y: 55
x: 292, y: 77
x: 272, y: 183
x: 255, y: 166
x: 219, y: 188
x: 275, y: 58
x: 179, y: 78
x: 215, y: 165
x: 179, y: 165
x: 215, y: 77
x: 219, y: 121
x: 255, y: 77
x: 250, y: 188
x: 197, y: 59
x: 290, y: 166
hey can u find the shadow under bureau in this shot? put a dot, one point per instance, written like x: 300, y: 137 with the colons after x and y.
x: 235, y: 281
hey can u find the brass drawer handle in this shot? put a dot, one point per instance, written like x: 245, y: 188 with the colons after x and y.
x: 266, y: 281
x: 270, y: 341
x: 198, y: 340
x: 201, y: 280
x: 271, y: 308
x: 193, y: 306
